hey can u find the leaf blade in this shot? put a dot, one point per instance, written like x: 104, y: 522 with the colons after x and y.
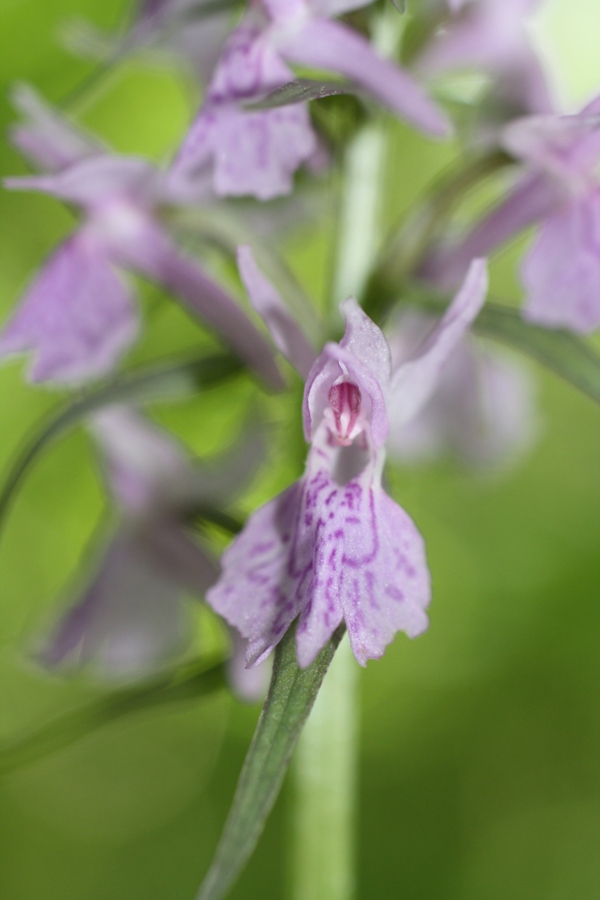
x: 290, y: 699
x: 562, y: 352
x: 154, y: 383
x: 302, y: 90
x: 196, y: 681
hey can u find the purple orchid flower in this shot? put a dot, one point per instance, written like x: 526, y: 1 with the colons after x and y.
x: 560, y: 190
x: 482, y: 412
x: 132, y: 616
x: 334, y: 547
x: 491, y: 35
x: 190, y: 31
x: 78, y: 316
x: 257, y: 151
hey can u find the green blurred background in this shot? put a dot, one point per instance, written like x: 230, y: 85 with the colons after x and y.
x: 480, y: 771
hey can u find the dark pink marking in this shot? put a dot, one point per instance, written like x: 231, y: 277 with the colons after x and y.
x: 344, y: 401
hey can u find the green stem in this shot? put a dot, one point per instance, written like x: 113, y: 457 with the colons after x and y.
x: 364, y: 169
x: 326, y: 786
x: 327, y: 754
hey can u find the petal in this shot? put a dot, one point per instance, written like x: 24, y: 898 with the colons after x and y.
x: 248, y: 684
x: 91, y: 182
x: 364, y: 355
x: 483, y: 411
x: 495, y: 417
x: 147, y: 469
x: 77, y: 317
x: 414, y: 381
x: 253, y: 153
x: 47, y: 139
x: 530, y: 200
x: 369, y: 567
x: 157, y: 258
x: 365, y: 340
x: 267, y: 302
x: 326, y: 552
x: 492, y: 36
x: 264, y: 574
x: 151, y: 474
x: 330, y: 45
x: 333, y: 363
x: 561, y: 272
x: 566, y: 146
x: 387, y: 590
x: 128, y: 621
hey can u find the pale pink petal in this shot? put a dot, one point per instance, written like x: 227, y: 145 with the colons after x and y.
x: 46, y: 138
x: 497, y: 419
x: 265, y: 574
x: 253, y: 153
x: 561, y: 272
x: 95, y: 181
x: 287, y: 335
x: 148, y: 471
x: 369, y: 568
x: 329, y: 45
x: 365, y: 340
x: 483, y: 410
x: 491, y: 36
x: 364, y: 357
x: 335, y: 363
x: 414, y: 381
x: 77, y: 317
x: 529, y: 201
x: 155, y: 256
x: 385, y: 587
x: 248, y: 684
x: 128, y: 621
x: 328, y: 552
x: 565, y: 146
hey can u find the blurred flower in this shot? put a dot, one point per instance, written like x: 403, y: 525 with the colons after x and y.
x: 482, y: 411
x: 192, y: 31
x: 561, y: 271
x: 257, y: 151
x: 132, y: 616
x: 334, y: 547
x: 78, y: 315
x: 491, y: 36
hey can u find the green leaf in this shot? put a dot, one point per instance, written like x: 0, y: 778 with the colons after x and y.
x: 190, y: 683
x: 290, y: 699
x: 560, y: 351
x: 162, y: 382
x: 300, y: 91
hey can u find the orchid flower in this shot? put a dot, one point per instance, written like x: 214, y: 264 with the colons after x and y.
x: 491, y: 36
x: 78, y: 316
x: 257, y: 151
x: 482, y: 411
x: 132, y: 616
x: 187, y: 30
x: 334, y: 547
x: 560, y: 190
